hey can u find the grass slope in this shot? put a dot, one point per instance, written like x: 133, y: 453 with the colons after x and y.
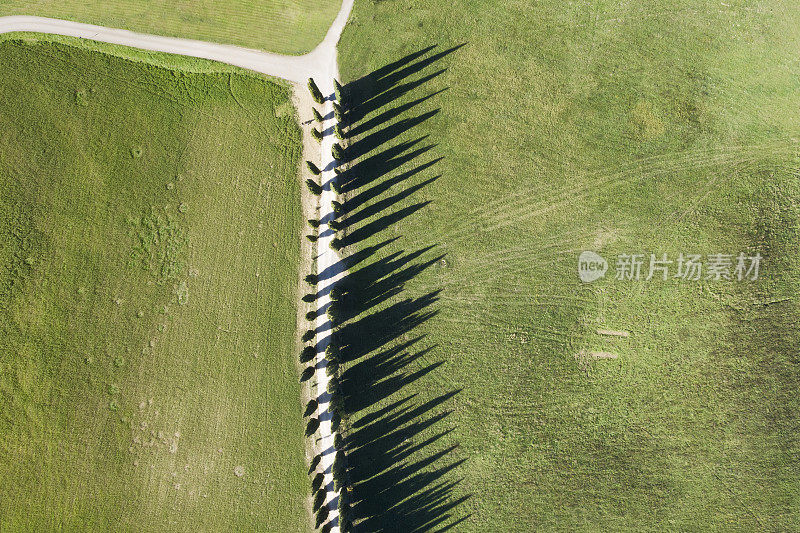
x: 642, y: 127
x: 282, y: 26
x: 149, y: 242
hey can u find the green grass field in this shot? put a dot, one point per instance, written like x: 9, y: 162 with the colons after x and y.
x: 282, y: 26
x: 644, y: 127
x: 149, y: 225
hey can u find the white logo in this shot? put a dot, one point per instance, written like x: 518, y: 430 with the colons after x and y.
x: 591, y: 266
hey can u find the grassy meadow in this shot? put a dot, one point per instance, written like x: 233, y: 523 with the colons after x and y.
x: 481, y: 172
x: 281, y: 26
x: 149, y: 246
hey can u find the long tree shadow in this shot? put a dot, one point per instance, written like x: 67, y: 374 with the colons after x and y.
x: 400, y: 476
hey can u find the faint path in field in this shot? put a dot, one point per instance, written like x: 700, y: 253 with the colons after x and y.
x: 319, y: 64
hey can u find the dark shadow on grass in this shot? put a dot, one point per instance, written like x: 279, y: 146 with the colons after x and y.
x: 399, y: 468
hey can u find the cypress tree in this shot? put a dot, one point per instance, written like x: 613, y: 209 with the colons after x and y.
x: 322, y: 515
x: 307, y: 354
x: 338, y: 112
x: 312, y: 426
x: 316, y: 483
x: 333, y: 313
x: 331, y: 368
x: 311, y: 408
x: 336, y: 244
x: 335, y: 187
x: 316, y: 134
x: 338, y: 90
x: 333, y: 385
x: 313, y: 222
x: 312, y: 238
x: 313, y: 187
x: 308, y: 335
x: 338, y: 470
x: 336, y: 294
x: 319, y: 499
x: 337, y: 130
x: 311, y: 315
x: 317, y: 116
x: 313, y: 168
x: 331, y: 352
x: 311, y: 279
x: 314, y: 464
x: 337, y: 206
x: 316, y: 94
x: 337, y: 152
x: 308, y: 372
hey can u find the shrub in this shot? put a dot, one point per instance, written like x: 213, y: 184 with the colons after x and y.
x: 307, y: 354
x: 337, y: 152
x: 338, y: 90
x: 312, y: 426
x: 308, y: 373
x: 311, y: 408
x: 337, y: 244
x: 316, y: 134
x: 322, y: 515
x: 313, y: 168
x: 313, y: 187
x: 317, y: 116
x: 337, y: 130
x: 316, y: 94
x: 311, y: 279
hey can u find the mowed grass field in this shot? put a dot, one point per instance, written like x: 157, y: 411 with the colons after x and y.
x: 621, y: 128
x: 149, y: 225
x: 281, y: 26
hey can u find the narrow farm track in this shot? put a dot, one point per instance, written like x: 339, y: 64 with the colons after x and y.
x: 319, y: 64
